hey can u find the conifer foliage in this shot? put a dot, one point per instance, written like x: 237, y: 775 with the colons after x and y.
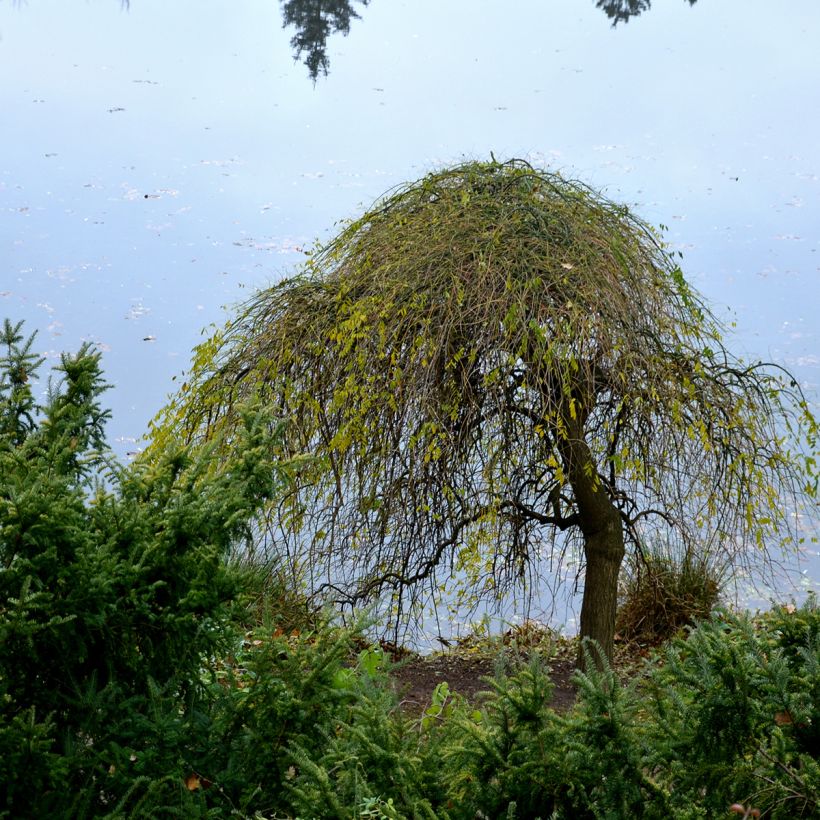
x: 113, y: 589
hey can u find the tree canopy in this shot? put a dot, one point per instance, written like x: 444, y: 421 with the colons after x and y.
x: 494, y: 364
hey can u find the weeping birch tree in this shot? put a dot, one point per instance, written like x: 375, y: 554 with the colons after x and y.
x: 491, y: 364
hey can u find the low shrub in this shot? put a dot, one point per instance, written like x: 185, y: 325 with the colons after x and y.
x: 518, y: 758
x: 378, y: 762
x: 723, y: 716
x: 735, y: 714
x: 113, y: 593
x: 276, y: 692
x: 796, y: 633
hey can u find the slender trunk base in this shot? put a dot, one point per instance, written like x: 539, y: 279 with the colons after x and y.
x: 604, y: 552
x: 600, y: 523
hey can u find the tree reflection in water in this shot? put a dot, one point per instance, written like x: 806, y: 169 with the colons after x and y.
x: 619, y: 11
x: 315, y: 21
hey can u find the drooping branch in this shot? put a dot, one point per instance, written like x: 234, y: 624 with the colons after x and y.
x: 491, y: 363
x: 561, y: 522
x: 397, y: 580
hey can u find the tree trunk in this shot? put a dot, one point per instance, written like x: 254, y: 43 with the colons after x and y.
x: 601, y: 526
x: 604, y: 550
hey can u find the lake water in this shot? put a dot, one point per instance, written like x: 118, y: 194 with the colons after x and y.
x: 158, y: 159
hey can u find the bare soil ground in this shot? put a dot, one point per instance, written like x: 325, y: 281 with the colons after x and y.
x: 467, y: 665
x: 416, y: 678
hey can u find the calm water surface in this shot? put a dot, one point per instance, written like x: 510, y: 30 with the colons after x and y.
x: 158, y: 159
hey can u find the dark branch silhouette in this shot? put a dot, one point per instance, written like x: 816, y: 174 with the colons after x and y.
x: 315, y: 21
x: 620, y: 11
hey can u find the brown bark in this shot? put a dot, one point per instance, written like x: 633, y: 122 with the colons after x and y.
x: 604, y: 550
x: 600, y: 524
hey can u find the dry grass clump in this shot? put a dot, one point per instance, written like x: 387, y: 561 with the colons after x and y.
x: 664, y: 591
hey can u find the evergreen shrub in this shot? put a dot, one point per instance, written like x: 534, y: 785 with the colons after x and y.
x: 735, y: 714
x: 378, y: 762
x: 113, y: 593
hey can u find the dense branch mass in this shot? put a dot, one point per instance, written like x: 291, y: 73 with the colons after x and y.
x: 491, y: 363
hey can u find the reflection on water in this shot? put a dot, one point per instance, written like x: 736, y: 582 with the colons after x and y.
x: 315, y: 21
x: 619, y: 11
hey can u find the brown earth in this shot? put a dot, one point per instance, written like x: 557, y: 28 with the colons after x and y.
x: 415, y: 678
x: 467, y: 665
